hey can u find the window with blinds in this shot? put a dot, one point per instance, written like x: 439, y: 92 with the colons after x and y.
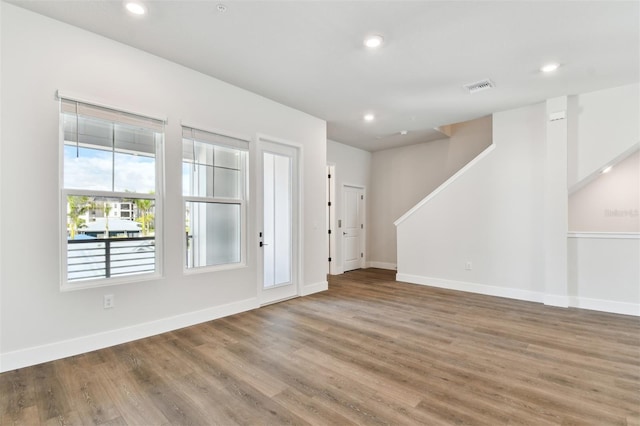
x: 214, y: 183
x: 110, y: 188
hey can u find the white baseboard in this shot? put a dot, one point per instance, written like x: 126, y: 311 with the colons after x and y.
x: 556, y: 300
x: 314, y: 288
x: 382, y: 265
x: 610, y: 306
x: 489, y: 290
x: 50, y: 352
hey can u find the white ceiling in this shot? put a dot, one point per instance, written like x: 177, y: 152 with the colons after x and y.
x: 309, y: 54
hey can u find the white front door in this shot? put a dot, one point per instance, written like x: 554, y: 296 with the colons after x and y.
x: 278, y: 228
x: 353, y: 228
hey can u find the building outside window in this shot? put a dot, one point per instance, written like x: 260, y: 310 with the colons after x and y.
x: 111, y: 169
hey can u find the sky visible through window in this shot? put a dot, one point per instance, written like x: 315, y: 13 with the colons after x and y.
x: 93, y: 169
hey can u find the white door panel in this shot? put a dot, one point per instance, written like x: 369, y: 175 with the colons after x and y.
x: 352, y: 231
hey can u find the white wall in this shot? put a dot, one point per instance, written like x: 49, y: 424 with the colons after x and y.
x: 611, y: 202
x: 352, y: 167
x: 604, y: 272
x: 40, y: 56
x: 491, y: 216
x: 1, y: 193
x: 604, y: 249
x: 401, y: 177
x: 603, y: 125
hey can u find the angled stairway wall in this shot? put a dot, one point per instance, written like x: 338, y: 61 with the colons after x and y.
x: 400, y: 177
x: 604, y: 128
x: 493, y: 228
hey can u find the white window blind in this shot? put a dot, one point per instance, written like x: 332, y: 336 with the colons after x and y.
x: 108, y: 114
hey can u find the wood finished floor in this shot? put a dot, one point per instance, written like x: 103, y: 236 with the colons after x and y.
x: 368, y: 351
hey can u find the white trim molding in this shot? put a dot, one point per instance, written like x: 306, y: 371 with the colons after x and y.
x: 445, y: 184
x: 594, y: 175
x: 610, y: 306
x: 57, y: 350
x: 314, y: 288
x: 558, y: 300
x: 606, y: 235
x: 488, y: 290
x: 623, y: 308
x: 382, y: 265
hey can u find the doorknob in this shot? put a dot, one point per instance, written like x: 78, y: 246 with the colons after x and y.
x: 261, y: 243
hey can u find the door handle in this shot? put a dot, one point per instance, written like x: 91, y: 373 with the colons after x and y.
x: 344, y: 233
x: 261, y: 243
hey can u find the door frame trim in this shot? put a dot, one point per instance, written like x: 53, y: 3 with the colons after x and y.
x: 332, y: 222
x: 298, y: 226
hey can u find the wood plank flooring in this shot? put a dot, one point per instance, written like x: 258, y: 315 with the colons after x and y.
x: 368, y: 351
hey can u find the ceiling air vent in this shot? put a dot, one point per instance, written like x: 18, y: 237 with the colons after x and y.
x: 479, y: 86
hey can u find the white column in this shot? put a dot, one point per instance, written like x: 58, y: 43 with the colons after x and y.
x: 556, y: 204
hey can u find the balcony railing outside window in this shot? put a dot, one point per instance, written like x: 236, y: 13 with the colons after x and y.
x: 110, y: 257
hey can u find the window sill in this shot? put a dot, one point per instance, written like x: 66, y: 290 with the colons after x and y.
x: 108, y: 282
x: 216, y: 268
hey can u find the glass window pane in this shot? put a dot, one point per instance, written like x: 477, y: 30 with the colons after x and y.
x: 98, y: 133
x: 187, y: 179
x: 213, y: 234
x: 202, y: 175
x: 227, y: 157
x: 134, y: 140
x: 106, y: 156
x: 109, y: 236
x: 282, y: 224
x: 269, y: 220
x: 203, y: 153
x: 277, y: 219
x: 86, y: 168
x: 213, y: 171
x: 134, y: 159
x: 225, y: 183
x: 88, y: 131
x: 134, y: 173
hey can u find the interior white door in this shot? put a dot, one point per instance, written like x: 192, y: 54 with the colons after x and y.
x: 278, y: 235
x: 352, y: 227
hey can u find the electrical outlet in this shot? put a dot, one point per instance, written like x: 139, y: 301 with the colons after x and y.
x: 109, y: 301
x: 468, y: 266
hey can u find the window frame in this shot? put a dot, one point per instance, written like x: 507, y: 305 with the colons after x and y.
x: 228, y: 141
x: 157, y: 196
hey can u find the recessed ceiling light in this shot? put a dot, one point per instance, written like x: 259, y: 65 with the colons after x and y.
x: 551, y: 67
x: 403, y: 132
x: 373, y: 41
x: 136, y: 8
x: 221, y: 8
x: 606, y: 169
x: 369, y: 117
